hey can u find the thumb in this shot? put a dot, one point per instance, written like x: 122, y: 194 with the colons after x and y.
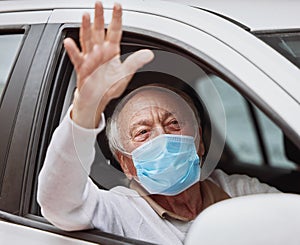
x: 138, y: 59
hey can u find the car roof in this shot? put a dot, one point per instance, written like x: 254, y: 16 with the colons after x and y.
x: 256, y: 15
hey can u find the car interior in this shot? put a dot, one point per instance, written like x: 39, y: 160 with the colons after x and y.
x: 190, y: 79
x: 238, y: 156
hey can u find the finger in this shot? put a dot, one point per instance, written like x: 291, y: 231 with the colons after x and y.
x: 136, y: 60
x: 114, y: 31
x: 86, y: 34
x: 91, y: 63
x: 73, y: 52
x: 98, y: 28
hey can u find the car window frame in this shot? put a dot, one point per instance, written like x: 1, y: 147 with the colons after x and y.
x: 52, y: 110
x: 9, y: 111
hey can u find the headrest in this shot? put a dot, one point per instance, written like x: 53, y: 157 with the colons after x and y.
x: 150, y: 77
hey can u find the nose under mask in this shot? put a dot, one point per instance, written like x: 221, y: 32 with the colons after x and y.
x: 167, y: 164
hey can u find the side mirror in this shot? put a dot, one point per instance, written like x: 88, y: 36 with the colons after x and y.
x: 255, y: 219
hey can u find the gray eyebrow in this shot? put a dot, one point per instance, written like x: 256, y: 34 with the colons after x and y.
x: 148, y: 122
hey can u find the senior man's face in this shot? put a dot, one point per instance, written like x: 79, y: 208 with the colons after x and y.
x: 150, y: 113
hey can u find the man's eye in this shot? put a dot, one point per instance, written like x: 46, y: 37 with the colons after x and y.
x: 141, y: 135
x: 143, y: 132
x: 174, y: 122
x: 172, y: 126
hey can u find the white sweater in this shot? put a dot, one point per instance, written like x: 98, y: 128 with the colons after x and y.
x: 71, y: 201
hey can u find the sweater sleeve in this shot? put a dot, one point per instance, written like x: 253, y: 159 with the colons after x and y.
x: 67, y: 196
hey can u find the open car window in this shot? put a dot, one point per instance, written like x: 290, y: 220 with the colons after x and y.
x: 245, y: 150
x: 248, y: 130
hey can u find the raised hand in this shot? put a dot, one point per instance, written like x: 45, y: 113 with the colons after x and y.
x: 101, y: 76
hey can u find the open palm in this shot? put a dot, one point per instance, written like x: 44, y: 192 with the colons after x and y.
x: 101, y: 76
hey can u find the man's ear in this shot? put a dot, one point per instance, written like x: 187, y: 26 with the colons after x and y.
x: 126, y: 165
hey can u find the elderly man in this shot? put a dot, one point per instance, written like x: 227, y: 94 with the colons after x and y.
x: 154, y: 133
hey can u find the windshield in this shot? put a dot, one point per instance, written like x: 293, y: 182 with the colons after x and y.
x: 288, y: 44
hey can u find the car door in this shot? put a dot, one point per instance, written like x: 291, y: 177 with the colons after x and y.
x: 194, y: 47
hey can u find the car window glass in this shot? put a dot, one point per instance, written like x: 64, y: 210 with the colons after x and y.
x: 274, y: 142
x: 241, y: 135
x: 288, y: 44
x: 9, y: 46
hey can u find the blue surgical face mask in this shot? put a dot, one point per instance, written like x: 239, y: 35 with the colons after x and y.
x: 167, y: 164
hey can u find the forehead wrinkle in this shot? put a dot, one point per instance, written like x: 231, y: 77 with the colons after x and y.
x: 148, y: 99
x: 167, y: 104
x: 141, y: 122
x: 154, y: 112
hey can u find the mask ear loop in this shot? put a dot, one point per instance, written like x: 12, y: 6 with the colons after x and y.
x: 127, y: 154
x: 197, y: 136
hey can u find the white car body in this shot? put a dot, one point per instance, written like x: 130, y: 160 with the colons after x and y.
x: 259, y: 71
